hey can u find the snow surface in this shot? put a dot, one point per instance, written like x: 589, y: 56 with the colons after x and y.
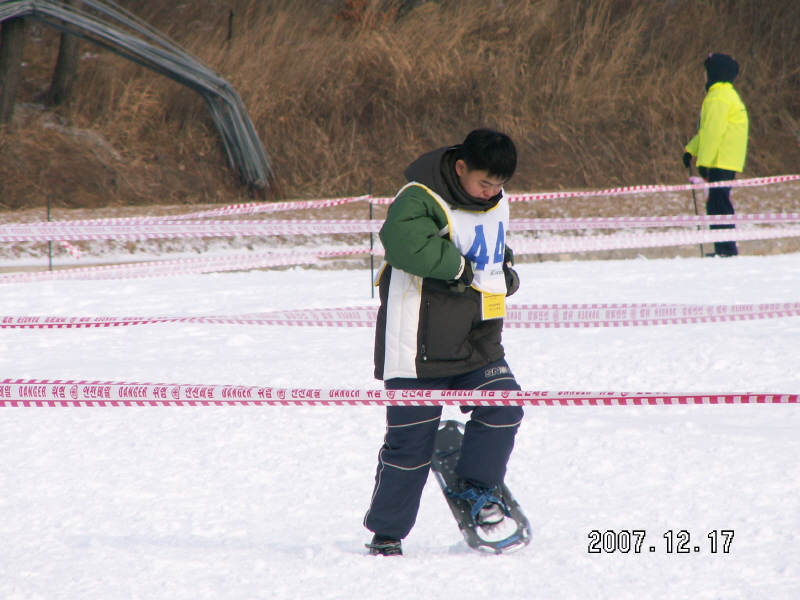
x: 173, y: 503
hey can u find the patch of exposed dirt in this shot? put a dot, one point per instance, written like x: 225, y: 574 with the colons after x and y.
x: 45, y: 159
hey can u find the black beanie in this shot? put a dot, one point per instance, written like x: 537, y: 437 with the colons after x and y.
x: 720, y: 67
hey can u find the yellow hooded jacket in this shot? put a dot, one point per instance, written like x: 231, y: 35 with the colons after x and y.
x: 722, y: 140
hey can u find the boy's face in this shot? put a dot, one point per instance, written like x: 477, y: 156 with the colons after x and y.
x: 478, y: 184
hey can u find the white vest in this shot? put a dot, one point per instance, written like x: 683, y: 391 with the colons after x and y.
x: 481, y: 239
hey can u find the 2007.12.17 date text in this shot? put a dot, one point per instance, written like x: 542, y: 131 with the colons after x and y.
x: 625, y: 541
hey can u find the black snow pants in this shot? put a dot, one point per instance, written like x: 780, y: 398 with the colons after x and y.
x: 719, y: 203
x: 405, y: 457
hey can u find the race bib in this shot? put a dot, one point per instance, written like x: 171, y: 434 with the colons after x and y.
x: 493, y: 306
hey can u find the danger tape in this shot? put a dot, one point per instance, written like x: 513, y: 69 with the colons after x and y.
x: 636, y: 189
x: 551, y: 316
x: 69, y: 393
x: 334, y: 317
x: 154, y: 229
x: 188, y: 266
x: 621, y: 241
x: 651, y: 189
x: 235, y: 209
x: 261, y: 207
x: 555, y: 316
x: 149, y: 229
x: 673, y: 221
x: 184, y: 226
x: 551, y: 245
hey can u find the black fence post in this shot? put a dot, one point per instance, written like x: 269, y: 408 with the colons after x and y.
x: 49, y: 242
x: 371, y: 246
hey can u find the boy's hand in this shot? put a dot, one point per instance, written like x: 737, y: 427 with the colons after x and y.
x: 687, y: 159
x: 464, y: 277
x: 512, y: 279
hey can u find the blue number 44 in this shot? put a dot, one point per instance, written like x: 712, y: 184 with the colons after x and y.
x: 479, y: 252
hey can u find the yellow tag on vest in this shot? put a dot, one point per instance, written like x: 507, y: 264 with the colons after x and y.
x: 493, y: 306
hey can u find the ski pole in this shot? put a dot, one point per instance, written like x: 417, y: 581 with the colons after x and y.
x: 694, y: 197
x: 371, y: 246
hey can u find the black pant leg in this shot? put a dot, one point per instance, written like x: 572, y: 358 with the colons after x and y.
x: 403, y: 466
x: 488, y: 441
x: 489, y: 434
x: 719, y: 203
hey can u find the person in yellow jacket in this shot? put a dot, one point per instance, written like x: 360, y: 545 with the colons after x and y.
x: 721, y: 143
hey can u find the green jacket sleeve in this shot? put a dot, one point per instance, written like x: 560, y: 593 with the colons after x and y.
x: 410, y: 236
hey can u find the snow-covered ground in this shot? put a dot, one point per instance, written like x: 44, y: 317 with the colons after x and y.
x: 174, y: 503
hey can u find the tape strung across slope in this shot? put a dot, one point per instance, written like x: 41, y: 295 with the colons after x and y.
x: 184, y: 266
x: 139, y: 229
x: 186, y: 226
x: 550, y: 316
x: 52, y: 393
x: 256, y: 261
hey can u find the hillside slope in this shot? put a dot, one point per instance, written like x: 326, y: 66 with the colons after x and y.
x: 596, y: 93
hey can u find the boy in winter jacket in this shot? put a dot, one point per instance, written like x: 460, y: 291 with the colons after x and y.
x: 439, y: 327
x: 721, y: 144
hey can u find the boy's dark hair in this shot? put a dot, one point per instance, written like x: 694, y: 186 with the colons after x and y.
x: 489, y: 150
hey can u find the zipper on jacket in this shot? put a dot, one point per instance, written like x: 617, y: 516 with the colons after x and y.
x: 423, y: 350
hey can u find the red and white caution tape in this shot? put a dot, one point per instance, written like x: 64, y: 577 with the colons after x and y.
x: 235, y: 209
x: 521, y: 247
x: 148, y: 229
x: 46, y: 393
x: 637, y: 189
x: 650, y: 240
x: 262, y: 207
x: 553, y: 316
x: 75, y: 252
x: 186, y: 266
x: 550, y: 316
x: 651, y: 189
x: 333, y: 317
x: 674, y: 221
x: 181, y: 227
x: 620, y: 191
x: 696, y: 184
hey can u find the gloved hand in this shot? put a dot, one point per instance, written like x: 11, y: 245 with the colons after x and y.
x: 464, y: 279
x: 512, y: 279
x: 687, y: 159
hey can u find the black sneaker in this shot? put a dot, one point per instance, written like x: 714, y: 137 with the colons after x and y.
x: 488, y: 507
x: 382, y: 545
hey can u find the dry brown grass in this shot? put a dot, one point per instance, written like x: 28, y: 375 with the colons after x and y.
x: 597, y: 92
